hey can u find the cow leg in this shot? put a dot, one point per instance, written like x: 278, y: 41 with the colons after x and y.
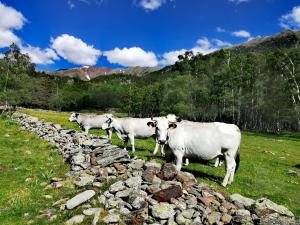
x: 125, y: 143
x: 217, y: 162
x: 187, y: 162
x: 179, y: 156
x: 162, y: 150
x: 86, y: 129
x: 230, y: 167
x: 109, y: 134
x: 156, y: 147
x: 131, y: 137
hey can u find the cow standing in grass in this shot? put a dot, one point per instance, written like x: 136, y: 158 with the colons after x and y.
x: 130, y: 128
x: 87, y: 122
x: 203, y: 140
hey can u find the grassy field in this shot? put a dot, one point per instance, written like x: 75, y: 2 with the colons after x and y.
x: 265, y: 161
x: 26, y: 165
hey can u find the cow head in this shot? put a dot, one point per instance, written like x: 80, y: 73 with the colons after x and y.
x: 108, y: 122
x: 74, y: 117
x: 163, y: 125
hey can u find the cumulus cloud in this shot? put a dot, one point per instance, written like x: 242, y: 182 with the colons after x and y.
x: 151, y: 4
x: 291, y: 20
x: 134, y: 56
x: 241, y: 33
x: 171, y: 57
x: 10, y: 20
x: 7, y: 37
x: 203, y: 46
x: 75, y: 50
x: 40, y: 56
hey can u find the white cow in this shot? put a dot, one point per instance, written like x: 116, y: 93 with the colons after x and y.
x: 87, y: 122
x: 130, y: 128
x: 204, y: 140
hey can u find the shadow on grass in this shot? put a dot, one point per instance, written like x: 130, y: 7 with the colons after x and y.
x: 200, y: 174
x: 297, y: 166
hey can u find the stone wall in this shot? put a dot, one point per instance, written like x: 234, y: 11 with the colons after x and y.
x: 139, y: 192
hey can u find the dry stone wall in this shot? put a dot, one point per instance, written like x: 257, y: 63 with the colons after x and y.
x: 116, y: 189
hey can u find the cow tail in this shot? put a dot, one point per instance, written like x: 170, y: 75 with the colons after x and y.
x: 237, y: 159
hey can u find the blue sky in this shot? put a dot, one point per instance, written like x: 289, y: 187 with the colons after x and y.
x: 120, y: 33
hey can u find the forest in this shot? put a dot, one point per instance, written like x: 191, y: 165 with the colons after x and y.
x: 255, y: 90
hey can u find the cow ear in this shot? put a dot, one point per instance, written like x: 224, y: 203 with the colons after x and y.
x: 178, y: 119
x: 76, y: 114
x: 151, y: 124
x: 172, y: 125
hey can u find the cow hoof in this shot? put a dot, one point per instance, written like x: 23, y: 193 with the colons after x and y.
x: 224, y: 184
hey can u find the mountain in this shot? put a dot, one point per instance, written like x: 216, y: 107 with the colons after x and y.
x: 285, y: 39
x: 91, y: 72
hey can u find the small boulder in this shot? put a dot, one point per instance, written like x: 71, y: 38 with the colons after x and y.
x: 246, y: 202
x: 118, y: 186
x: 264, y: 204
x: 167, y: 172
x: 75, y: 220
x: 163, y: 210
x: 80, y: 198
x: 134, y: 182
x: 165, y: 195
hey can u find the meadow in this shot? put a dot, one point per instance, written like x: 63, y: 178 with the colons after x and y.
x: 263, y: 172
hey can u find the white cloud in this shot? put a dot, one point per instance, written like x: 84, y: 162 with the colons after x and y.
x: 241, y: 33
x: 291, y: 20
x: 134, y: 56
x: 75, y: 50
x: 220, y: 43
x: 10, y: 20
x: 40, y: 56
x: 220, y: 30
x: 151, y: 4
x: 238, y: 1
x: 7, y: 37
x: 171, y: 57
x: 203, y: 46
x: 71, y: 4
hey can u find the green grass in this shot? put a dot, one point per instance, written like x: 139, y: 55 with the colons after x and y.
x: 265, y: 161
x: 25, y: 163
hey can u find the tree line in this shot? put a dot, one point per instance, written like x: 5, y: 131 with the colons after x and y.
x: 255, y: 90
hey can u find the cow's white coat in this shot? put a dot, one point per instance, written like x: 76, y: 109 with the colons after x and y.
x: 87, y: 122
x: 204, y: 140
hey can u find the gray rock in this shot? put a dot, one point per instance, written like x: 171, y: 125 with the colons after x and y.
x: 181, y: 220
x: 247, y: 202
x: 112, y: 218
x: 153, y: 163
x: 75, y: 220
x: 85, y: 180
x: 136, y: 164
x: 80, y: 198
x: 263, y: 204
x: 134, y: 182
x: 163, y: 210
x: 123, y: 194
x: 188, y: 213
x: 118, y: 186
x: 242, y: 216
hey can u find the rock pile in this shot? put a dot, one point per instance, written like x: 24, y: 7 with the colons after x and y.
x: 115, y: 189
